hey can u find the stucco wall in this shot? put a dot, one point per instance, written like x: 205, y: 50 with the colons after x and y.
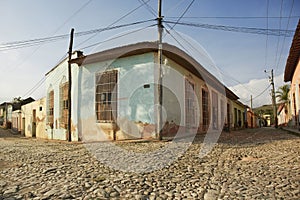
x: 295, y: 95
x: 177, y: 82
x: 134, y: 101
x: 16, y: 121
x: 54, y: 79
x: 235, y: 117
x: 136, y: 98
x: 37, y: 122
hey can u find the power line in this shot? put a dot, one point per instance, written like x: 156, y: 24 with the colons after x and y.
x: 233, y: 17
x: 287, y: 26
x: 56, y: 30
x: 40, y: 82
x: 148, y: 7
x: 267, y: 37
x: 278, y: 38
x: 184, y: 12
x: 235, y: 80
x: 116, y: 37
x: 34, y: 42
x: 78, y: 35
x: 73, y: 15
x: 151, y: 10
x: 275, y: 32
x: 122, y: 17
x: 175, y: 6
x: 35, y: 87
x: 259, y: 93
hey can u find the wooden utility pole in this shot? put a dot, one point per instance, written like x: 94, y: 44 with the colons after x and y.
x: 70, y: 86
x: 274, y: 100
x: 159, y: 86
x: 251, y: 103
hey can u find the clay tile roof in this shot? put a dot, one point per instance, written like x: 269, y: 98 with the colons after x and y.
x: 294, y: 54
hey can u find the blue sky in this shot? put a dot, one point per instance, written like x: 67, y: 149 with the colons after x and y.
x: 240, y: 57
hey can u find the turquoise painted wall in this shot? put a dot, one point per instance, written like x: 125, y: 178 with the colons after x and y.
x: 134, y: 101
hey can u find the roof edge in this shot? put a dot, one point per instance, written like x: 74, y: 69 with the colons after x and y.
x: 293, y: 57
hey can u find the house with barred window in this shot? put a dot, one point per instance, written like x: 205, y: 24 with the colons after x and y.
x: 115, y: 95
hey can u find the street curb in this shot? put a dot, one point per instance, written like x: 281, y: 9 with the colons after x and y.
x: 291, y: 131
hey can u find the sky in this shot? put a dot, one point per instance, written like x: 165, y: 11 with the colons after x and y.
x: 239, y: 58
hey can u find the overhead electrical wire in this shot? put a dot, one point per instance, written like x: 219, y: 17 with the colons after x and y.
x: 35, y: 87
x: 175, y: 7
x: 151, y: 10
x: 184, y: 12
x: 234, y: 17
x: 278, y: 38
x: 56, y: 30
x: 113, y: 23
x: 33, y: 42
x: 40, y: 82
x: 259, y: 94
x: 73, y: 15
x: 220, y: 70
x: 148, y: 7
x: 275, y: 32
x: 118, y: 36
x: 267, y: 35
x: 287, y: 26
x: 77, y: 34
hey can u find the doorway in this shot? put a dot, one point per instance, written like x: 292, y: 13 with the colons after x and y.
x: 190, y: 107
x: 33, y: 123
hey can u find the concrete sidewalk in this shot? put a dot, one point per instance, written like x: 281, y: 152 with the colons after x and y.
x: 293, y: 131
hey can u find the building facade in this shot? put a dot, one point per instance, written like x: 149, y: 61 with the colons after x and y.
x: 6, y: 110
x: 34, y: 119
x: 114, y: 95
x: 292, y: 75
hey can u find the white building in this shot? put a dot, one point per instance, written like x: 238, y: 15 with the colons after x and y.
x: 114, y: 95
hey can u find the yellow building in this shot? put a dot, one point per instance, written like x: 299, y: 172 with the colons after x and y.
x: 33, y: 119
x: 292, y: 74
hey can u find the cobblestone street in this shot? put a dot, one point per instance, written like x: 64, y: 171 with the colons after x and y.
x: 249, y: 164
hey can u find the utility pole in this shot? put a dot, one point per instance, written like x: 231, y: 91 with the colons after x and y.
x: 251, y: 113
x: 273, y: 99
x: 159, y: 86
x: 251, y: 103
x: 70, y: 86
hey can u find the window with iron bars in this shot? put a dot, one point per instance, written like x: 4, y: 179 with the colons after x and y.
x: 205, y: 109
x: 215, y: 110
x: 63, y: 100
x: 106, y: 96
x: 50, y: 110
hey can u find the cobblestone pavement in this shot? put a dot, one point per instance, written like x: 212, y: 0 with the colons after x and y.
x: 249, y: 164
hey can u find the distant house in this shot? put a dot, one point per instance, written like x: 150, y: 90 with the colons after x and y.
x: 251, y: 119
x: 114, y: 95
x: 292, y: 74
x: 34, y: 119
x: 16, y: 119
x: 9, y: 110
x: 282, y: 115
x: 6, y: 110
x: 239, y: 111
